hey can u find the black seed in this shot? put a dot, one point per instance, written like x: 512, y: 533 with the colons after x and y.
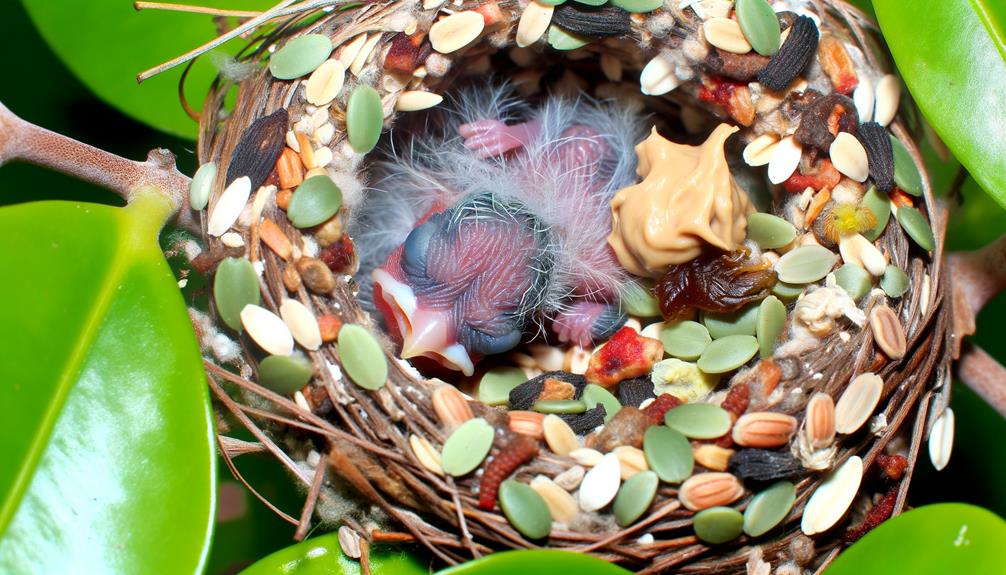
x: 793, y: 57
x: 585, y: 422
x: 635, y: 391
x: 260, y: 146
x: 763, y: 465
x: 816, y: 121
x: 526, y: 394
x: 879, y: 154
x: 594, y: 21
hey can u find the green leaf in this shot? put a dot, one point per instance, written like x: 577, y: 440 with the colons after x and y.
x: 107, y: 43
x: 535, y: 561
x: 323, y: 556
x: 952, y: 55
x: 934, y: 539
x: 105, y: 425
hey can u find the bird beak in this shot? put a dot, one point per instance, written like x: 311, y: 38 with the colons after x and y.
x: 426, y: 333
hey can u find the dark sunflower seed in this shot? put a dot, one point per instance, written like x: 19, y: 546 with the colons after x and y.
x: 635, y: 391
x: 527, y: 394
x: 740, y: 67
x: 585, y: 422
x: 260, y: 146
x: 593, y: 21
x: 879, y: 154
x: 793, y: 57
x: 764, y: 465
x: 824, y: 118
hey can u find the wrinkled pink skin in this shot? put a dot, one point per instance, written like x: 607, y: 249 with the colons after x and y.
x: 577, y: 154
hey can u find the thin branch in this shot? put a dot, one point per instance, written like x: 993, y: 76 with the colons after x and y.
x: 24, y: 141
x: 194, y: 9
x: 978, y: 276
x: 311, y: 502
x: 986, y: 376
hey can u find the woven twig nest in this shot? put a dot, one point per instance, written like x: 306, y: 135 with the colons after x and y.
x: 383, y: 444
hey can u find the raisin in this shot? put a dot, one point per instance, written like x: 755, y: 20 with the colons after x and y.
x: 824, y: 118
x: 722, y: 282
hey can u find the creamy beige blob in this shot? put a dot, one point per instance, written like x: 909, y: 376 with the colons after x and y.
x: 686, y: 200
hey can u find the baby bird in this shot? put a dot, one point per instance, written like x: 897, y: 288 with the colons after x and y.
x: 489, y: 224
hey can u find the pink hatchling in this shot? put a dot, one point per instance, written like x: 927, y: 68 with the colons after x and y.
x: 488, y: 222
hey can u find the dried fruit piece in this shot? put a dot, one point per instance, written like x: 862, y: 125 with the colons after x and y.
x: 880, y: 512
x: 740, y: 67
x: 712, y: 457
x: 824, y: 119
x: 818, y: 175
x: 837, y: 64
x: 705, y: 490
x: 713, y: 282
x: 626, y: 428
x: 525, y: 395
x: 763, y: 465
x: 329, y: 326
x: 657, y: 409
x: 793, y: 57
x: 259, y: 147
x: 515, y: 453
x: 626, y: 355
x: 888, y: 333
x: 880, y: 153
x: 894, y: 466
x: 591, y: 21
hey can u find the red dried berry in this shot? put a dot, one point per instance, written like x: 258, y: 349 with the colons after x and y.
x: 658, y: 407
x: 893, y: 466
x: 626, y: 355
x: 338, y: 256
x: 519, y: 451
x: 817, y: 177
x: 880, y: 512
x: 737, y: 400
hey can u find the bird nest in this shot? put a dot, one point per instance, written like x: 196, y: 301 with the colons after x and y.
x: 382, y: 445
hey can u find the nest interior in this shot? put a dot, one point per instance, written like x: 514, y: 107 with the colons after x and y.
x: 363, y: 436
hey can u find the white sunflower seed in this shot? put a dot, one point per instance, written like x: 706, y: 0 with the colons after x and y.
x: 360, y: 62
x: 322, y: 157
x: 349, y: 542
x: 600, y: 484
x: 863, y: 97
x: 759, y: 151
x: 832, y: 498
x: 267, y: 329
x: 941, y: 439
x: 456, y: 31
x: 291, y: 140
x: 325, y: 83
x: 586, y: 456
x: 726, y: 34
x: 858, y: 250
x: 849, y: 157
x: 560, y: 503
x: 229, y: 206
x: 887, y: 98
x: 349, y: 52
x: 302, y: 323
x: 785, y: 159
x: 414, y: 100
x: 857, y: 403
x: 559, y: 435
x: 427, y: 455
x: 571, y: 478
x: 658, y: 77
x: 431, y: 4
x: 533, y: 24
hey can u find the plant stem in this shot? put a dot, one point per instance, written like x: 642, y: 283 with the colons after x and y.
x: 24, y: 141
x: 986, y: 376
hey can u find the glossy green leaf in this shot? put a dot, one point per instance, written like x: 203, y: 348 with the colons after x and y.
x: 323, y: 556
x: 929, y: 540
x: 952, y: 55
x: 107, y: 43
x: 535, y: 561
x: 105, y: 427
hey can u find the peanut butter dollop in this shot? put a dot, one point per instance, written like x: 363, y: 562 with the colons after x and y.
x: 687, y: 199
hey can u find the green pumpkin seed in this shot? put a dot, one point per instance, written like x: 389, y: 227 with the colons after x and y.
x: 591, y: 2
x: 635, y: 497
x: 699, y: 420
x: 362, y: 357
x: 465, y: 449
x: 525, y: 509
x: 854, y: 280
x: 314, y: 201
x: 285, y: 374
x: 728, y: 353
x: 894, y: 282
x: 638, y: 6
x: 495, y: 386
x: 560, y: 406
x: 760, y: 25
x: 741, y: 322
x: 550, y: 2
x: 685, y: 339
x: 364, y: 118
x: 917, y: 228
x: 906, y: 174
x: 202, y: 185
x: 594, y: 394
x: 787, y: 292
x: 668, y: 453
x: 880, y: 204
x: 769, y: 231
x: 300, y: 56
x: 805, y: 264
x: 768, y: 508
x: 562, y: 40
x: 718, y: 524
x: 637, y: 300
x: 771, y: 320
x: 235, y: 285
